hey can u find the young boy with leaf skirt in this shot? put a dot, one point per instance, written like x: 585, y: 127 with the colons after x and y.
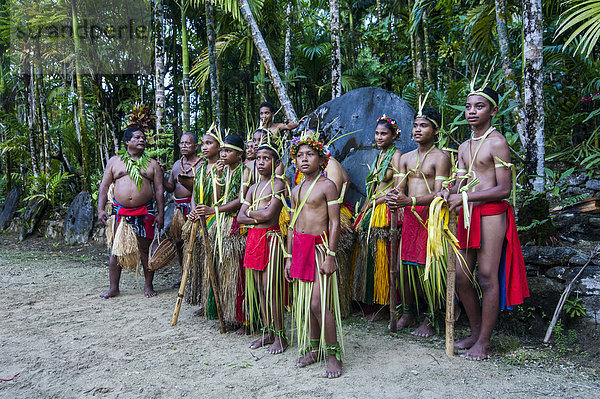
x: 310, y: 261
x: 422, y: 172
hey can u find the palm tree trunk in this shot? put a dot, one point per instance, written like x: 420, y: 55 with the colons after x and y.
x: 336, y: 56
x: 427, y: 48
x: 265, y: 55
x: 287, y: 52
x: 185, y: 63
x: 419, y: 62
x: 159, y: 64
x: 30, y: 118
x: 533, y: 91
x: 509, y: 74
x: 212, y: 62
x: 85, y: 181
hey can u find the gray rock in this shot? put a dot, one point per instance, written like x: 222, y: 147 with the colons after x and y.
x: 79, y: 219
x: 9, y: 208
x: 31, y: 218
x: 54, y: 229
x: 548, y: 256
x: 557, y: 272
x: 595, y: 222
x: 574, y: 180
x: 593, y: 184
x: 542, y: 289
x: 357, y: 111
x: 573, y: 191
x: 579, y: 259
x: 589, y: 281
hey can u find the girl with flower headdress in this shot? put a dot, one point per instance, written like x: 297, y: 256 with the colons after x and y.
x: 371, y: 283
x: 230, y: 243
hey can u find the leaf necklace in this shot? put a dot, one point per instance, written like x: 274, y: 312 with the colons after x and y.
x: 134, y: 167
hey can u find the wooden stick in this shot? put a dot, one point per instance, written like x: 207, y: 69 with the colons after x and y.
x: 211, y: 273
x: 450, y: 287
x: 393, y: 269
x: 565, y: 295
x: 187, y: 260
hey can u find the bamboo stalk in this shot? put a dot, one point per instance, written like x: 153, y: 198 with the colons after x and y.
x: 450, y: 287
x: 393, y: 269
x: 211, y: 274
x: 187, y: 260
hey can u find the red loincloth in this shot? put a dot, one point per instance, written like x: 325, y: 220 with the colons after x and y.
x: 414, y: 236
x: 140, y: 217
x: 184, y: 204
x: 257, y: 248
x: 511, y: 273
x: 303, y: 256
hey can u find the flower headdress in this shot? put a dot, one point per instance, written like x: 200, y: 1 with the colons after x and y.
x: 480, y: 90
x: 390, y: 121
x: 312, y: 140
x: 420, y: 113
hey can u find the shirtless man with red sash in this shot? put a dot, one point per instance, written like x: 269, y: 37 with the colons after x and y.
x: 133, y: 172
x: 486, y: 226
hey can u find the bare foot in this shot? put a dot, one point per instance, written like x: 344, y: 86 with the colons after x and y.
x: 262, y: 341
x: 478, y: 351
x: 243, y: 330
x: 406, y: 320
x: 310, y: 358
x: 467, y: 342
x: 424, y: 330
x: 333, y: 369
x: 279, y: 346
x: 149, y: 291
x: 378, y: 315
x: 199, y: 312
x: 109, y: 294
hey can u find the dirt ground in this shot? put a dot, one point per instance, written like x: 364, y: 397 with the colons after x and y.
x: 65, y: 342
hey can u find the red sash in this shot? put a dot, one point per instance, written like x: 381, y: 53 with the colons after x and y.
x: 515, y: 276
x: 414, y: 236
x: 257, y: 248
x: 304, y: 249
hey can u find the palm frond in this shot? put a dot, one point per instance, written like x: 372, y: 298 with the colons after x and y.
x: 585, y: 19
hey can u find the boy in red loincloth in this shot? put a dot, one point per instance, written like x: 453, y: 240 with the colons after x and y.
x: 422, y: 172
x: 311, y: 258
x: 486, y: 225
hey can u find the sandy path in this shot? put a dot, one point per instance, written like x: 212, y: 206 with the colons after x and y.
x: 67, y: 343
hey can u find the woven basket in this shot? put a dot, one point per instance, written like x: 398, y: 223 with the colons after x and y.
x: 161, y: 254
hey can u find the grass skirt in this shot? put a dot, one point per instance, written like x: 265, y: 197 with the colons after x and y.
x: 301, y: 309
x: 371, y: 281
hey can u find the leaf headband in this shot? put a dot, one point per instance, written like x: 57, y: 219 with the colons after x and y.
x: 480, y: 91
x: 420, y: 113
